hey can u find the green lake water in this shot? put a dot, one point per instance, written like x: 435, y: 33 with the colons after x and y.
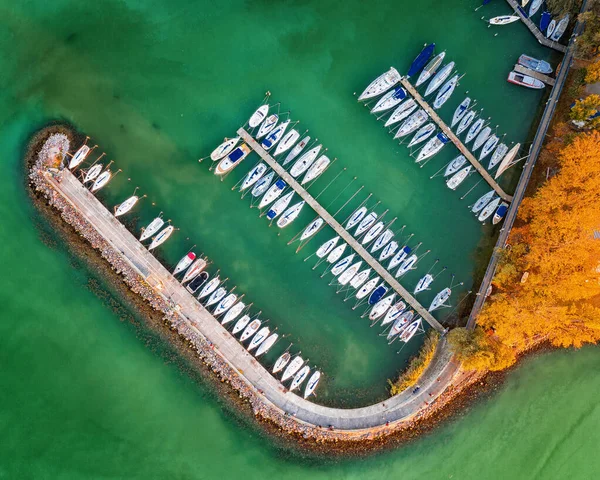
x: 85, y: 394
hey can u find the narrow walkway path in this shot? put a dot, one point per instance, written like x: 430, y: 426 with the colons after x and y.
x: 396, y: 409
x: 532, y: 73
x: 450, y: 134
x: 340, y: 230
x: 540, y: 37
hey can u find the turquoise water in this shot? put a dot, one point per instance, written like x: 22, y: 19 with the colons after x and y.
x: 86, y: 392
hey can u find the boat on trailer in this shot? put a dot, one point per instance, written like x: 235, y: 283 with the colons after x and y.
x: 153, y: 227
x: 258, y: 116
x: 440, y: 299
x: 389, y: 100
x: 430, y: 69
x: 455, y: 180
x: 460, y: 111
x: 162, y: 237
x: 422, y: 134
x: 381, y: 84
x: 224, y: 149
x: 126, y: 206
x: 525, y: 81
x: 421, y: 60
x: 439, y: 78
x: 268, y: 125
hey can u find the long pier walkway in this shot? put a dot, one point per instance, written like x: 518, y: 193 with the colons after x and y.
x: 399, y: 408
x: 450, y: 134
x: 540, y: 37
x: 340, y: 230
x: 532, y: 73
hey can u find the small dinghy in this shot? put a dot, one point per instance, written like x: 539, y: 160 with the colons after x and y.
x: 421, y: 60
x: 262, y: 184
x: 342, y: 265
x: 373, y: 232
x: 336, y: 253
x: 400, y: 324
x: 422, y: 134
x: 500, y: 213
x: 430, y: 69
x: 367, y: 288
x: 439, y: 78
x: 389, y: 100
x: 525, y: 81
x: 399, y: 257
x: 365, y: 224
x: 488, y: 146
x: 349, y: 273
x: 481, y: 138
x: 551, y: 27
x: 296, y: 150
x: 432, y: 147
x: 92, y: 173
x: 254, y: 176
x: 224, y: 149
x: 406, y: 266
x: 381, y: 84
x: 440, y: 300
x: 257, y: 117
x: 423, y: 284
x: 267, y: 344
x: 389, y: 250
x: 560, y: 29
x: 259, y: 338
x: 305, y: 161
x: 475, y: 129
x: 299, y: 378
x: 240, y: 324
x: 460, y: 111
x: 209, y: 288
x: 410, y: 331
x: 535, y: 64
x: 225, y: 304
x: 268, y: 125
x: 402, y: 111
x: 506, y: 162
x: 483, y: 201
x: 356, y: 217
x: 250, y: 330
x: 272, y: 193
x: 102, y: 180
x: 286, y: 142
x: 275, y: 135
x: 290, y: 214
x: 153, y: 227
x: 232, y: 160
x: 381, y: 307
x: 280, y: 205
x: 393, y: 313
x: 360, y: 278
x: 498, y: 155
x: 216, y: 296
x: 292, y: 368
x: 445, y: 92
x: 184, y: 263
x: 194, y: 270
x: 382, y: 241
x: 316, y: 169
x: 489, y: 209
x: 281, y: 362
x: 79, y: 156
x: 312, y: 228
x: 327, y: 247
x: 503, y: 19
x: 312, y: 383
x: 162, y: 237
x: 534, y: 7
x: 233, y: 313
x: 455, y: 180
x: 455, y: 165
x: 126, y: 206
x: 465, y: 122
x: 377, y: 294
x: 411, y: 123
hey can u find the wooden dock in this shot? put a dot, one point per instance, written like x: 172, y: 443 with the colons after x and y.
x: 340, y: 230
x: 532, y: 73
x: 454, y: 139
x: 535, y: 30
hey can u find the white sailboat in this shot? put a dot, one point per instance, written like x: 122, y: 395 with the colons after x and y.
x: 254, y: 176
x: 455, y: 165
x: 475, y: 130
x: 126, y: 206
x: 534, y: 7
x: 194, y: 270
x: 240, y: 324
x: 445, y: 92
x: 349, y: 273
x: 439, y: 78
x: 382, y: 241
x: 216, y: 296
x: 360, y: 278
x: 400, y: 324
x: 410, y: 331
x: 506, y: 162
x: 327, y: 247
x: 224, y: 149
x: 233, y: 313
x: 102, y: 180
x: 296, y: 150
x: 399, y: 257
x: 356, y: 217
x: 209, y: 288
x: 365, y: 224
x: 292, y: 368
x: 336, y: 253
x: 275, y: 135
x: 262, y: 184
x: 162, y: 237
x: 489, y: 209
x: 225, y: 304
x: 299, y: 378
x: 430, y: 69
x: 316, y: 169
x: 389, y: 100
x: 79, y: 156
x: 424, y: 283
x: 483, y: 201
x: 411, y: 123
x: 342, y: 265
x: 250, y: 330
x: 373, y: 232
x: 312, y: 228
x: 281, y: 362
x: 455, y: 180
x: 560, y: 29
x: 481, y: 138
x: 498, y: 155
x: 381, y: 84
x: 280, y: 205
x: 290, y: 214
x: 422, y: 134
x: 286, y: 142
x: 272, y: 193
x: 440, y: 299
x: 305, y: 161
x: 488, y: 146
x: 381, y: 307
x: 367, y: 288
x: 460, y: 111
x: 312, y: 383
x: 389, y: 250
x: 503, y: 19
x: 402, y: 111
x: 267, y: 126
x: 93, y: 172
x: 258, y: 116
x: 184, y: 263
x: 259, y: 338
x: 465, y: 122
x: 153, y: 227
x: 407, y: 265
x: 393, y: 313
x: 432, y: 147
x: 267, y: 344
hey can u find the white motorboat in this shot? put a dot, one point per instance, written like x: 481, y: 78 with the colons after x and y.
x: 336, y: 253
x: 299, y: 378
x: 162, y: 237
x: 410, y: 331
x: 377, y: 294
x: 225, y: 304
x: 500, y: 213
x: 503, y: 19
x: 312, y: 228
x: 367, y: 288
x: 296, y: 150
x: 483, y: 201
x: 259, y: 338
x: 440, y: 299
x: 305, y: 161
x: 381, y: 307
x: 475, y: 129
x: 197, y: 266
x: 534, y: 7
x: 365, y: 224
x: 195, y: 284
x: 465, y: 122
x: 407, y: 265
x: 102, y: 180
x: 445, y: 92
x: 482, y: 137
x: 232, y: 160
x: 286, y: 142
x: 373, y: 232
x: 422, y: 134
x: 280, y: 205
x: 381, y: 84
x: 240, y: 324
x: 327, y: 247
x: 382, y: 241
x: 290, y: 214
x: 498, y: 155
x: 342, y: 265
x: 257, y: 117
x: 93, y: 172
x: 292, y: 368
x: 153, y: 227
x: 525, y: 81
x: 534, y: 64
x: 250, y: 330
x: 275, y: 135
x: 224, y: 149
x: 560, y: 29
x: 216, y: 296
x: 267, y: 344
x: 432, y: 147
x: 184, y: 263
x: 267, y: 126
x: 254, y: 176
x: 399, y: 257
x: 399, y: 324
x: 411, y: 123
x: 360, y: 278
x: 506, y: 162
x: 126, y: 206
x: 316, y: 169
x: 312, y: 383
x: 460, y: 111
x: 430, y: 69
x: 349, y: 273
x: 489, y: 209
x: 262, y: 184
x: 455, y: 180
x: 209, y: 288
x: 233, y: 313
x: 79, y: 156
x: 454, y: 165
x: 403, y: 110
x: 281, y: 362
x: 488, y: 146
x: 389, y: 250
x: 356, y: 217
x: 389, y: 100
x: 424, y: 283
x: 393, y: 313
x: 272, y: 193
x: 439, y: 78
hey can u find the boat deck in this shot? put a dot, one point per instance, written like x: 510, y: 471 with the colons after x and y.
x: 454, y: 139
x: 340, y: 230
x: 532, y: 73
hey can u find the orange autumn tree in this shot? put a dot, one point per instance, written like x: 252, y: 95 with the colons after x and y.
x: 556, y: 245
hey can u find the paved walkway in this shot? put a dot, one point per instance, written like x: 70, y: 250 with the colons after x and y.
x: 341, y: 231
x: 396, y: 409
x: 540, y: 37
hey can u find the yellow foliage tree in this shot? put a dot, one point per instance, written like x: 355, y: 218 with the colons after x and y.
x: 592, y: 74
x: 585, y: 108
x: 479, y: 351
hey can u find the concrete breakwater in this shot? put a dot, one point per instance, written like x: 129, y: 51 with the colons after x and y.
x: 268, y: 399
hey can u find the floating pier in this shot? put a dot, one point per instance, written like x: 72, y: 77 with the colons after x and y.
x: 340, y: 230
x: 532, y: 73
x: 450, y: 134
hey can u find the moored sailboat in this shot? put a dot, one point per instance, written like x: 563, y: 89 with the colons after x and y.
x: 162, y: 237
x: 381, y: 84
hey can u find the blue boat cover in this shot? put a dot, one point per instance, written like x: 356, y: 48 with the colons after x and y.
x: 280, y: 183
x: 419, y: 62
x: 236, y: 154
x: 545, y: 21
x: 267, y: 142
x: 377, y: 294
x: 443, y: 137
x: 399, y: 93
x: 270, y: 214
x: 407, y: 250
x: 501, y: 210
